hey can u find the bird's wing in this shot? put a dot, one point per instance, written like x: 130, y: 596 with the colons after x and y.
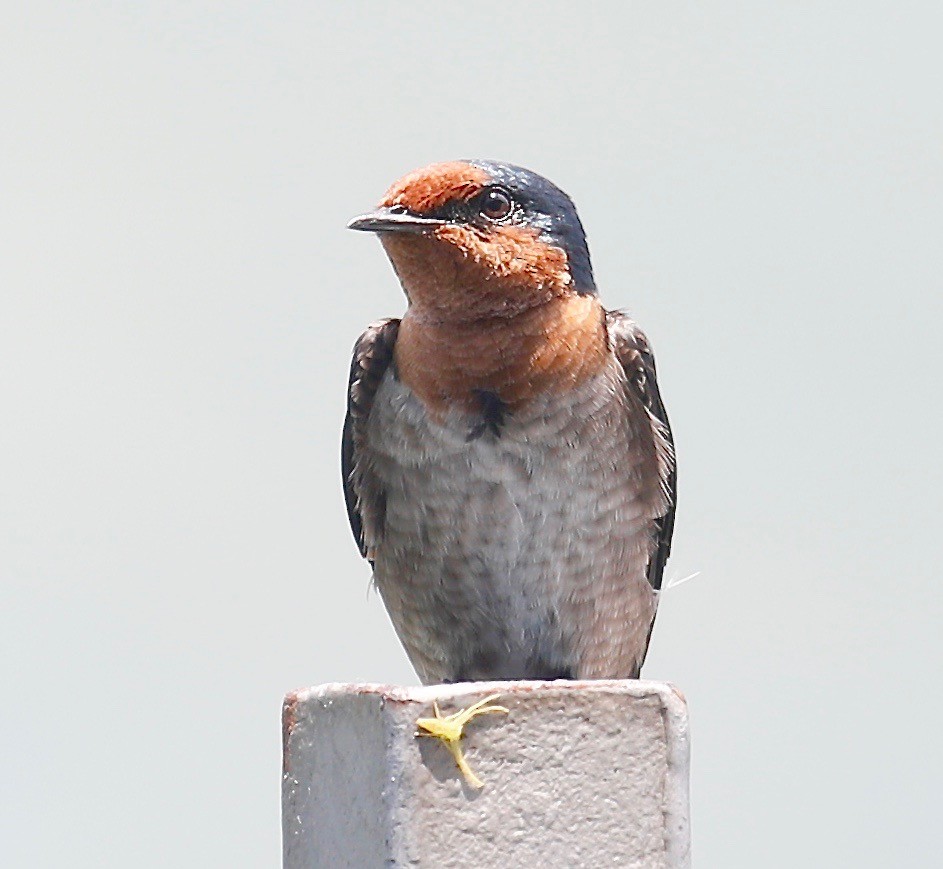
x: 635, y: 355
x: 373, y: 354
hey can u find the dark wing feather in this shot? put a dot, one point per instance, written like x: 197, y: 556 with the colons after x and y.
x: 635, y: 355
x: 373, y: 354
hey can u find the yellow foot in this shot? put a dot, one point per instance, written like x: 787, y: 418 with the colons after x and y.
x: 450, y: 729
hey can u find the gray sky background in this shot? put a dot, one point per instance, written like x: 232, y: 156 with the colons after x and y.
x: 762, y: 189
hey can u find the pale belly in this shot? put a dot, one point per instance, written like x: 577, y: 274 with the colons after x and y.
x: 521, y: 555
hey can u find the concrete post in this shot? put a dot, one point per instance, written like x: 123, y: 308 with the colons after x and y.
x: 576, y: 774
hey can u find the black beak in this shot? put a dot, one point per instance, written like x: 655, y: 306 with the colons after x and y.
x: 390, y: 220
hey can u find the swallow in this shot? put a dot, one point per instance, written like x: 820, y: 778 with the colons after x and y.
x: 507, y: 461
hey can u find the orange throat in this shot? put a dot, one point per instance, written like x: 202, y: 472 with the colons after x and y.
x: 552, y: 346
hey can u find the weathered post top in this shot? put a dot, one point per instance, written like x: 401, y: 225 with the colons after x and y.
x: 576, y: 774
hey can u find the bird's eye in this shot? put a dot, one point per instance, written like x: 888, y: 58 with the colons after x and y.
x: 495, y: 204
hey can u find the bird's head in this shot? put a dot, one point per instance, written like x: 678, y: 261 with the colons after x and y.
x: 478, y: 238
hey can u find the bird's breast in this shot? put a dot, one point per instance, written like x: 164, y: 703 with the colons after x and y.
x: 505, y: 536
x: 499, y: 364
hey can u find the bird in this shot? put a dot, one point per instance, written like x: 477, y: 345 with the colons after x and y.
x: 508, y: 464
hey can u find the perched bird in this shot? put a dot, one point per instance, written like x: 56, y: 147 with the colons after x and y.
x: 507, y: 461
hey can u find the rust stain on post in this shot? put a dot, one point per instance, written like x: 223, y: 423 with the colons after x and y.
x: 289, y: 719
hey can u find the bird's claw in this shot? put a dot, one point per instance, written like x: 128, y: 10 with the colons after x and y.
x: 450, y: 730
